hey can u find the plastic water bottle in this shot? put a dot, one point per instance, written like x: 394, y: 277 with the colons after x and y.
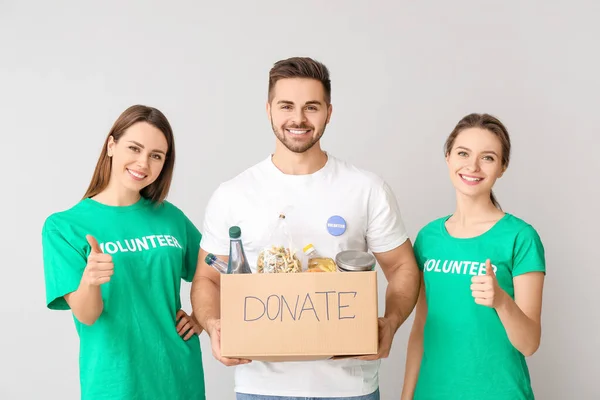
x: 238, y: 263
x: 213, y: 261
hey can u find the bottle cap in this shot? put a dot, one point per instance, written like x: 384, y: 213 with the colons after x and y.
x: 210, y: 258
x: 308, y: 248
x: 235, y: 232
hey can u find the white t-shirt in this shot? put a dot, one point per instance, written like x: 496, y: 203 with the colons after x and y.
x: 253, y: 201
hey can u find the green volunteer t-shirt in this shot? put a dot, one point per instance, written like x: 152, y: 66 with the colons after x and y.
x: 133, y: 350
x: 467, y: 354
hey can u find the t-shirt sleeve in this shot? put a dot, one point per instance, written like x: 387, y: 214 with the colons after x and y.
x: 63, y: 267
x: 528, y: 253
x: 191, y: 252
x: 215, y: 230
x: 385, y: 227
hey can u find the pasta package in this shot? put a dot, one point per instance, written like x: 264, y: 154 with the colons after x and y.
x: 280, y: 255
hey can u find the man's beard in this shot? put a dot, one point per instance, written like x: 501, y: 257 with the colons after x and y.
x: 293, y: 146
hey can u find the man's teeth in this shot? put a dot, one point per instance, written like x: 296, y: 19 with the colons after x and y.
x: 297, y: 132
x: 470, y: 179
x: 141, y: 176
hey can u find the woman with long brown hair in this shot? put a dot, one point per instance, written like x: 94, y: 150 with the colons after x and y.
x: 479, y: 308
x: 116, y: 260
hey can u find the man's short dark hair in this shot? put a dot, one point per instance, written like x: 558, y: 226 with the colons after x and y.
x: 300, y: 67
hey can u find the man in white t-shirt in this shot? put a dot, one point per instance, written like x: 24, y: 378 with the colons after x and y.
x: 327, y: 202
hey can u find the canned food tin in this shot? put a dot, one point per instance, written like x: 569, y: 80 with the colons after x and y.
x: 354, y: 260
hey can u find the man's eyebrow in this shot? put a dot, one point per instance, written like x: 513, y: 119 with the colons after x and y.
x: 317, y: 102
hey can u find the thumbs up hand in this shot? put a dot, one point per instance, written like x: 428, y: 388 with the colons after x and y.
x: 99, y: 266
x: 485, y: 288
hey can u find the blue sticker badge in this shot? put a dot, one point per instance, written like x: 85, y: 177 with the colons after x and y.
x: 336, y: 225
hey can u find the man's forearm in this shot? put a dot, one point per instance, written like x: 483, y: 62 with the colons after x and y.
x: 205, y: 298
x: 401, y: 295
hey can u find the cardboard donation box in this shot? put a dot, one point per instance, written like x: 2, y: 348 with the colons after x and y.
x: 299, y: 316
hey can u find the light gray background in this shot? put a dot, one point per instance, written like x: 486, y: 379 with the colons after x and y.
x: 404, y: 72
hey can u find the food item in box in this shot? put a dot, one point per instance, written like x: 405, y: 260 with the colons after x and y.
x: 317, y: 262
x: 278, y: 259
x: 355, y: 261
x: 279, y: 256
